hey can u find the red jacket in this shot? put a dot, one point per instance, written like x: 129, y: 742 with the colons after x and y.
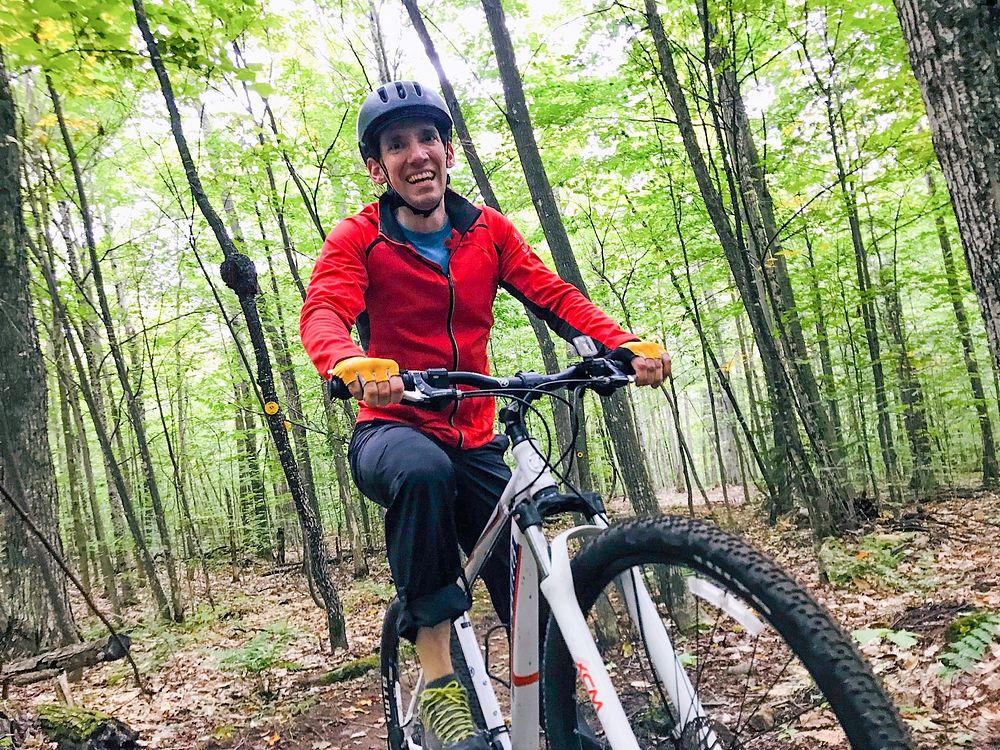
x: 408, y: 310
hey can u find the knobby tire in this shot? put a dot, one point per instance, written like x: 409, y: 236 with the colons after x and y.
x: 864, y: 713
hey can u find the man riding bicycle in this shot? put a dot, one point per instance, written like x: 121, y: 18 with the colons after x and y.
x: 417, y: 273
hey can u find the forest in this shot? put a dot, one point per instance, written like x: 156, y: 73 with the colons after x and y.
x: 799, y: 200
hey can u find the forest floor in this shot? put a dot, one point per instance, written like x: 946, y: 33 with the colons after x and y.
x: 245, y: 674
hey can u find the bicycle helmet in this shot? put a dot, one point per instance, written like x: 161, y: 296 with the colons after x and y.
x: 394, y: 101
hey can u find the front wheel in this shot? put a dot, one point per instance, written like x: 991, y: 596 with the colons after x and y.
x: 769, y: 667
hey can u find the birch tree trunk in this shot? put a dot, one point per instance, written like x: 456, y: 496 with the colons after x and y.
x: 954, y: 48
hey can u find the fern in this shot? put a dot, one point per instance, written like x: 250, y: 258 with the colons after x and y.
x: 261, y: 653
x: 969, y: 637
x: 874, y: 559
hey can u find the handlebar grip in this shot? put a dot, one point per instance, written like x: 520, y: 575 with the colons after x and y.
x: 337, y: 388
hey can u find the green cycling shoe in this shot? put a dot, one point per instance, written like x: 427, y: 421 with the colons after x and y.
x: 447, y: 719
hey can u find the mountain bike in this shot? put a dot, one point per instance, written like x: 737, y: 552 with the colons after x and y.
x: 661, y: 632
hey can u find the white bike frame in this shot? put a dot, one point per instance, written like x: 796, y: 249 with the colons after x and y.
x: 546, y: 569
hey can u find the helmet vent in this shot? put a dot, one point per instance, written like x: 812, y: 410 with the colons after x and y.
x: 400, y: 91
x: 416, y: 88
x: 383, y: 94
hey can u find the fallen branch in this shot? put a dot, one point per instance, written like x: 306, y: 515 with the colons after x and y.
x: 66, y: 659
x: 347, y: 671
x: 76, y: 582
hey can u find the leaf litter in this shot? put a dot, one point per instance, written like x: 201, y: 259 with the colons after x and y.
x: 274, y: 698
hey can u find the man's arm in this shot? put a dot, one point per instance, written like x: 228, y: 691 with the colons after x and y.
x: 334, y: 299
x: 566, y: 310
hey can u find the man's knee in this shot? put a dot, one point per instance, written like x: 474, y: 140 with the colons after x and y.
x: 390, y: 461
x: 426, y: 473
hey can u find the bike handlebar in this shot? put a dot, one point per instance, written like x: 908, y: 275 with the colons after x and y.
x: 437, y: 386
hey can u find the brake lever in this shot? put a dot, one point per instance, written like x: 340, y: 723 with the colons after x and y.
x: 607, y: 375
x: 421, y: 394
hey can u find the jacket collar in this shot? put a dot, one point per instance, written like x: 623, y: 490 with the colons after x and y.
x: 461, y: 213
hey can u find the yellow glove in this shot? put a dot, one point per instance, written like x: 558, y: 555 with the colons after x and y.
x: 638, y: 355
x: 647, y: 349
x: 368, y: 369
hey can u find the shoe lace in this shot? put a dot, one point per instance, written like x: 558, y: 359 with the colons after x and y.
x: 445, y: 711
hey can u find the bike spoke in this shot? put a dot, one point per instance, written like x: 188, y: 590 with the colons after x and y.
x: 747, y: 682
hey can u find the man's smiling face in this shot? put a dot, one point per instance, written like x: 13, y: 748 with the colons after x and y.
x: 414, y: 161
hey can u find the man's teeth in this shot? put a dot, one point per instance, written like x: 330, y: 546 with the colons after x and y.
x: 420, y: 177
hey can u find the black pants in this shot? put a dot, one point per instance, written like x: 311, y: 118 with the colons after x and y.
x: 436, y: 498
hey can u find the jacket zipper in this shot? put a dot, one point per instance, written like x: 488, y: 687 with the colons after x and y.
x: 451, y: 332
x: 454, y: 352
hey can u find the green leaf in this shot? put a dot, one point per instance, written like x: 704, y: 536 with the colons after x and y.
x: 264, y: 89
x: 902, y: 638
x: 49, y: 8
x: 864, y: 636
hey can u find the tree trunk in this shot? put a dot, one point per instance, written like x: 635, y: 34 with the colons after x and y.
x: 239, y: 273
x: 72, y: 468
x: 103, y: 547
x: 274, y: 325
x: 829, y: 384
x: 762, y: 234
x: 252, y: 498
x: 858, y: 415
x: 954, y: 48
x: 94, y: 355
x: 618, y: 413
x: 87, y: 389
x: 746, y: 360
x: 991, y: 473
x: 349, y: 501
x: 911, y: 393
x: 176, y: 456
x: 131, y: 397
x: 825, y: 498
x: 867, y: 301
x: 338, y: 445
x: 34, y: 607
x: 378, y: 39
x: 91, y: 344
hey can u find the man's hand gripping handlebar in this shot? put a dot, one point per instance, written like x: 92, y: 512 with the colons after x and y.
x: 370, y: 379
x: 648, y: 361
